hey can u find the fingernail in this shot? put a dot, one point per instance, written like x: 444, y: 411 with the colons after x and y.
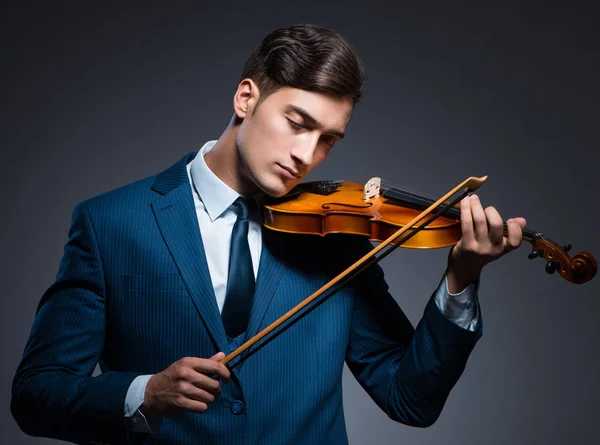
x: 474, y: 196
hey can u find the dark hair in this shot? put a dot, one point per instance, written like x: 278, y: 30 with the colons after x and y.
x: 307, y: 57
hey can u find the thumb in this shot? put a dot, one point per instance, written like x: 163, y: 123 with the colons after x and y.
x: 218, y: 356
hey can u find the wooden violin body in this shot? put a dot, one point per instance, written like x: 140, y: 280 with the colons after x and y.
x: 324, y: 208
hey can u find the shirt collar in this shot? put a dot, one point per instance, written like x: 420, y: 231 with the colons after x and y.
x: 214, y: 193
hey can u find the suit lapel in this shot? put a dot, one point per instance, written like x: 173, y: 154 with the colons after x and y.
x: 176, y: 218
x: 270, y: 272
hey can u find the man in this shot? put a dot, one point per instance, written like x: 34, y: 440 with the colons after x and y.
x: 161, y: 278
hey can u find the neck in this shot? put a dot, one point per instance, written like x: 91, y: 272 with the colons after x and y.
x: 225, y: 162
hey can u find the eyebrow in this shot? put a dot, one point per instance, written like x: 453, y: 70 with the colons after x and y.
x: 312, y: 120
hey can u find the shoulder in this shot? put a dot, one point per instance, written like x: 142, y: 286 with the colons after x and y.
x: 126, y: 197
x: 134, y: 199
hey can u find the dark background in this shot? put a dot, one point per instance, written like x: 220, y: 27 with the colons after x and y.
x: 97, y: 96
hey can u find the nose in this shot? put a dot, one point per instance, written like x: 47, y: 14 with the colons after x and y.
x: 303, y: 152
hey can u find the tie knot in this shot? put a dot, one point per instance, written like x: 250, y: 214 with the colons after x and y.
x: 244, y: 205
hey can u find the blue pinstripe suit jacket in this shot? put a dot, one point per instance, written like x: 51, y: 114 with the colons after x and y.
x: 133, y: 293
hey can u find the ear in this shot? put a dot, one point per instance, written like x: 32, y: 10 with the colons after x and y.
x: 245, y: 98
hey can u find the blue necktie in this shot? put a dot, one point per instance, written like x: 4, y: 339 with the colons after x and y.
x: 240, y: 279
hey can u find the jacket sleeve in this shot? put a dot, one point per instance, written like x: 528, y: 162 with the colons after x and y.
x: 409, y: 372
x: 54, y: 394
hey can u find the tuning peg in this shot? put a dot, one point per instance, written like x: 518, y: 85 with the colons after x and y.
x: 566, y: 248
x: 535, y: 254
x: 551, y: 267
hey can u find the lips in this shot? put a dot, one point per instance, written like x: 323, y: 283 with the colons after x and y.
x: 291, y: 172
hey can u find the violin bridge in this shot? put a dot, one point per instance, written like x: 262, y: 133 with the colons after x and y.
x: 372, y: 189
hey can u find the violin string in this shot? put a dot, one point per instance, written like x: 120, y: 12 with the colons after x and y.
x: 396, y: 194
x: 388, y: 185
x: 400, y: 188
x: 401, y: 192
x: 408, y: 197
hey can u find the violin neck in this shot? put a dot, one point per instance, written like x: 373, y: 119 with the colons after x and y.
x: 418, y: 202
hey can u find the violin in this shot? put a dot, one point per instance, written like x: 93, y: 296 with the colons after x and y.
x: 394, y: 217
x: 324, y: 207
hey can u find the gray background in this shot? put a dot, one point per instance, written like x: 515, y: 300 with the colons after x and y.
x: 98, y: 96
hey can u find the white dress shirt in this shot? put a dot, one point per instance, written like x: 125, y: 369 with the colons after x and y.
x: 212, y: 200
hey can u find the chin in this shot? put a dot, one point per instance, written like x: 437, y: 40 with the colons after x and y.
x: 276, y: 188
x: 275, y: 192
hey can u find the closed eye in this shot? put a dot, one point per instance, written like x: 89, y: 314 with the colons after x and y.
x: 295, y: 125
x: 329, y: 142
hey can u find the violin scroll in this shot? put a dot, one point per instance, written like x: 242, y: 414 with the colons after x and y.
x: 578, y: 269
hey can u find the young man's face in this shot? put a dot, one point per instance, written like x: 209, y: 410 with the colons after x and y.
x: 287, y: 135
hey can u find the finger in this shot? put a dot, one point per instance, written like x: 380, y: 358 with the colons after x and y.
x: 479, y: 220
x: 520, y: 221
x: 218, y: 356
x: 495, y: 226
x: 192, y: 405
x: 515, y: 234
x: 211, y: 367
x: 198, y: 394
x: 206, y: 383
x: 466, y: 221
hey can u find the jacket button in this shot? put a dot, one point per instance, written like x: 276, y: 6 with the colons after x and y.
x: 237, y: 407
x: 233, y: 345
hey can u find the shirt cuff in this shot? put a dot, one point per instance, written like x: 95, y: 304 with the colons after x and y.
x: 135, y: 420
x: 461, y: 308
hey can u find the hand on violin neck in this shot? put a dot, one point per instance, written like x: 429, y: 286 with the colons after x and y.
x: 483, y: 241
